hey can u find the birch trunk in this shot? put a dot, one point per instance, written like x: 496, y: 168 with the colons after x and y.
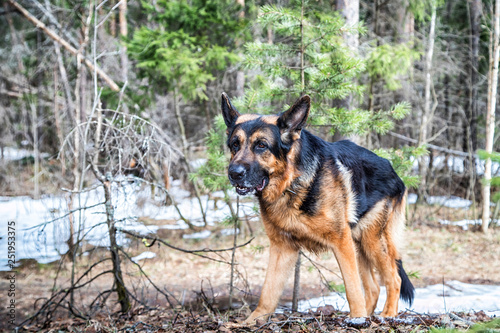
x: 490, y: 115
x: 427, y: 110
x: 240, y: 75
x: 123, y: 33
x: 349, y: 9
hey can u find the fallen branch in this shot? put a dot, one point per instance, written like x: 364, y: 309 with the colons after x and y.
x: 65, y: 44
x: 184, y: 250
x: 195, y: 252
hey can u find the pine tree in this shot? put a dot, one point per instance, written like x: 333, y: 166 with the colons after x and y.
x: 191, y: 41
x: 309, y: 57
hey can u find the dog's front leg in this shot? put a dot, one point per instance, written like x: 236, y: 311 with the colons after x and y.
x: 282, y: 259
x: 345, y: 252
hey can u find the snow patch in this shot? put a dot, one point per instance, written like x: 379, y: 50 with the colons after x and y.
x: 452, y: 296
x: 464, y: 223
x: 15, y: 154
x: 412, y: 199
x: 456, y: 164
x: 356, y: 321
x: 42, y: 225
x: 229, y: 232
x: 143, y: 255
x: 445, y: 201
x: 451, y: 202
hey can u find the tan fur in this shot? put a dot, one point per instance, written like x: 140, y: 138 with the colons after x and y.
x: 272, y: 120
x: 246, y: 117
x: 281, y: 177
x: 351, y: 196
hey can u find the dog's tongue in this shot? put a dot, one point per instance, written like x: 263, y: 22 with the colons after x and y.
x: 259, y: 188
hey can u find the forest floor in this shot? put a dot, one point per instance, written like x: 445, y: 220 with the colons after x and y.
x: 197, y: 288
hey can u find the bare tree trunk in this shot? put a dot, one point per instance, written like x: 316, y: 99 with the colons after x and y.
x: 427, y: 110
x: 428, y: 79
x: 64, y: 78
x: 15, y: 39
x: 406, y: 20
x: 233, y: 254
x: 119, y: 284
x: 182, y: 129
x: 35, y: 110
x: 475, y: 32
x: 123, y: 52
x: 112, y: 20
x: 270, y: 35
x: 36, y: 151
x: 57, y: 121
x: 123, y: 297
x: 240, y: 75
x: 296, y: 280
x: 296, y: 284
x: 472, y: 107
x: 349, y: 9
x: 490, y: 115
x: 185, y: 151
x: 371, y: 85
x: 123, y: 33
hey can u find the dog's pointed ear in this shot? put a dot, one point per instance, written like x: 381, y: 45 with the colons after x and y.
x: 294, y: 119
x: 229, y: 112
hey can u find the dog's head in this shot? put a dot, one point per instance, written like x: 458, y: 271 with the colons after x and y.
x: 260, y: 145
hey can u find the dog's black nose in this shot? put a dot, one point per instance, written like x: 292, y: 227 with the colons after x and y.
x: 236, y: 172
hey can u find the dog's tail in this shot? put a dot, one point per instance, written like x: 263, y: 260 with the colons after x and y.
x: 407, y: 290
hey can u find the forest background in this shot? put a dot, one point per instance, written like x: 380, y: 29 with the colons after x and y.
x: 100, y: 93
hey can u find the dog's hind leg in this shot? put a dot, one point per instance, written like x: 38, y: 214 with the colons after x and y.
x: 389, y: 273
x: 385, y: 252
x: 377, y: 238
x: 345, y: 252
x: 370, y: 283
x: 379, y: 250
x: 282, y: 258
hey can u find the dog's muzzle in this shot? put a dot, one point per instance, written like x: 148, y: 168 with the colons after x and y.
x: 239, y: 178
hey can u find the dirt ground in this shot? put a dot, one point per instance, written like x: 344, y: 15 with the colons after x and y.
x: 432, y: 253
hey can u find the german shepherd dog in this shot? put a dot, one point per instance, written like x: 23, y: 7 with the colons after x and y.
x: 317, y: 195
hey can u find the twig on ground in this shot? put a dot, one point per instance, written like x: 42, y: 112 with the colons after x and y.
x: 195, y: 252
x: 147, y: 277
x: 454, y: 316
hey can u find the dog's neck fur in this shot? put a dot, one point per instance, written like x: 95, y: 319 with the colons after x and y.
x: 300, y: 169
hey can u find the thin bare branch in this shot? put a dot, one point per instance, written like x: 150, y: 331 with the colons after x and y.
x: 39, y: 24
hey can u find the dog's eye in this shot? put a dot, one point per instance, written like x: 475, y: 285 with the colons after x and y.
x: 235, y: 145
x: 261, y: 145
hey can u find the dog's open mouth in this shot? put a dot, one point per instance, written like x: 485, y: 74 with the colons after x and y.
x: 241, y: 190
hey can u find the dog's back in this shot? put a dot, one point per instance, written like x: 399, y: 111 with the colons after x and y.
x: 372, y: 177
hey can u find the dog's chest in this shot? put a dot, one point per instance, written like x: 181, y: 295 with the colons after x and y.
x: 285, y: 222
x: 285, y: 216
